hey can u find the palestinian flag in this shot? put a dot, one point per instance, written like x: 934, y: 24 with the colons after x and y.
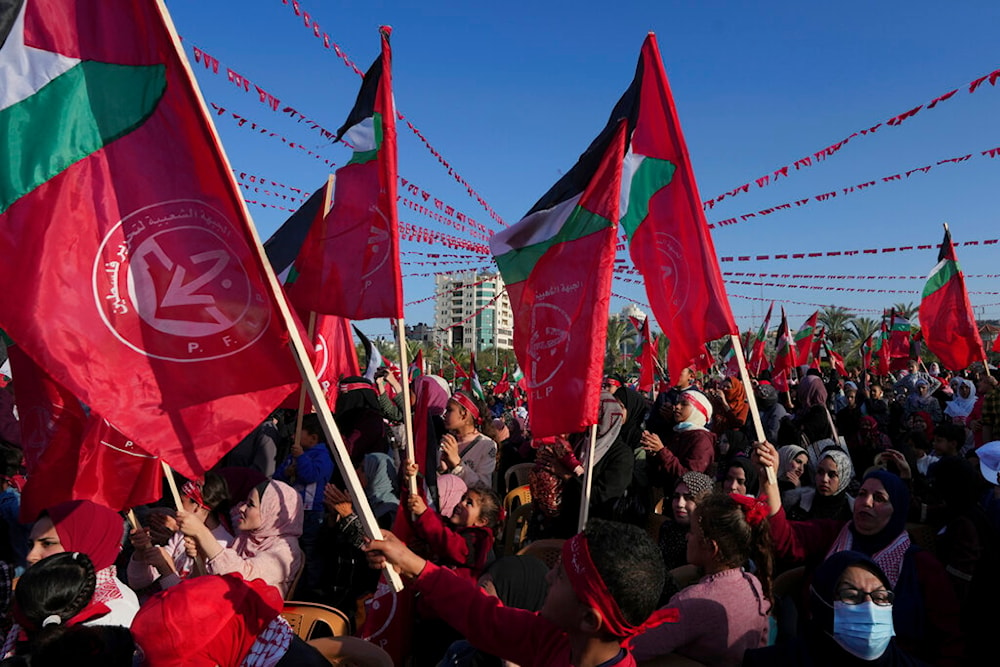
x: 730, y: 364
x: 758, y: 363
x: 417, y: 366
x: 557, y: 263
x: 867, y: 348
x: 130, y: 262
x: 472, y: 383
x: 899, y: 336
x: 946, y: 319
x: 784, y: 355
x: 668, y: 236
x: 804, y: 339
x: 645, y: 354
x: 881, y: 349
x: 349, y: 264
x: 835, y: 360
x: 818, y: 340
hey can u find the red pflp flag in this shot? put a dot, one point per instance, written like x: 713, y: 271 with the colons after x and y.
x: 757, y: 361
x: 946, y: 318
x: 130, y: 273
x: 71, y: 454
x: 646, y: 354
x: 836, y: 360
x: 349, y: 264
x: 502, y: 386
x: 815, y: 351
x: 336, y: 357
x: 669, y: 241
x: 557, y: 263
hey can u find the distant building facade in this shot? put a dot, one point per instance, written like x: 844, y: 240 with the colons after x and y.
x: 472, y: 310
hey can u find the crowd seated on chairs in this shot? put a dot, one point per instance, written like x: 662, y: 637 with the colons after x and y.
x: 752, y: 552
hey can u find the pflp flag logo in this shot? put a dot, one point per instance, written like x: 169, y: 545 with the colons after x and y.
x: 179, y: 268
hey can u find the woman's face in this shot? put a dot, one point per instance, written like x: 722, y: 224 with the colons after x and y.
x: 798, y: 464
x: 455, y: 416
x: 249, y: 517
x: 682, y: 411
x: 876, y: 391
x: 917, y: 423
x: 827, y: 477
x: 683, y: 504
x: 43, y: 541
x: 964, y: 390
x: 735, y: 480
x: 872, y: 508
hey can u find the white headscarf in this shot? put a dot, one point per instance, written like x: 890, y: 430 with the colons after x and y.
x: 958, y: 406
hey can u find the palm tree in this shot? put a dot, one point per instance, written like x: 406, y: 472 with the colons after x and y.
x: 861, y: 328
x: 906, y: 310
x: 620, y: 331
x: 834, y: 320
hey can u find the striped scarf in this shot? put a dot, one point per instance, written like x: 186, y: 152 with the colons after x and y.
x: 889, y: 559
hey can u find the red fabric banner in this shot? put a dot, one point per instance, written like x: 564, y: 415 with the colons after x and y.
x: 72, y: 454
x: 124, y: 287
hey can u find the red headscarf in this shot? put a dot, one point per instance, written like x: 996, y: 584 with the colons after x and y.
x: 736, y: 397
x: 205, y: 621
x: 85, y: 526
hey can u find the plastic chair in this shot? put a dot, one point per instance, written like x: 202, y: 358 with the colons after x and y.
x: 548, y: 551
x: 521, y: 494
x: 516, y: 530
x: 360, y: 651
x: 519, y: 472
x: 306, y: 617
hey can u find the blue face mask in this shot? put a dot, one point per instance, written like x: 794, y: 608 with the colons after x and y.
x: 863, y: 630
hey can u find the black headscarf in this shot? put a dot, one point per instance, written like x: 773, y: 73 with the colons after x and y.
x: 749, y: 469
x: 635, y: 406
x: 520, y: 581
x: 899, y: 496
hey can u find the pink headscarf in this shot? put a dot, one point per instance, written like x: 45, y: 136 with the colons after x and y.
x: 451, y: 488
x: 281, y: 515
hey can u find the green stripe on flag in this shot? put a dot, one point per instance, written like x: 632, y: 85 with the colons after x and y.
x: 943, y: 273
x: 360, y: 157
x: 76, y: 114
x: 516, y: 265
x: 652, y: 175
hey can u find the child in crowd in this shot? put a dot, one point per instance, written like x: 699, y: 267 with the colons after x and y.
x: 464, y: 540
x: 602, y: 593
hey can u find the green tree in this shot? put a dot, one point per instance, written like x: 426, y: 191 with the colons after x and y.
x: 620, y: 331
x: 859, y: 329
x: 907, y: 310
x: 834, y: 320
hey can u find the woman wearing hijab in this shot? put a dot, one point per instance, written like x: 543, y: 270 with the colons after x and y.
x: 963, y: 400
x: 793, y: 470
x: 851, y: 604
x: 926, y: 611
x: 635, y: 414
x: 691, y: 489
x: 828, y: 498
x: 94, y: 530
x: 221, y: 621
x: 691, y: 446
x: 268, y: 526
x: 733, y: 408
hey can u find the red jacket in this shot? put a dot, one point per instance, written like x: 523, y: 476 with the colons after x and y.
x: 465, y: 550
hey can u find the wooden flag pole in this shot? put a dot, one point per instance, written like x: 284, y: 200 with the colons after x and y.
x: 588, y: 474
x: 300, y: 415
x: 404, y: 367
x: 334, y: 440
x: 751, y: 399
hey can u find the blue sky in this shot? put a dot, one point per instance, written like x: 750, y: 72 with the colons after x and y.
x: 511, y: 93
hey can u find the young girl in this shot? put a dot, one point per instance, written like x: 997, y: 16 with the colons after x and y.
x: 725, y: 613
x: 266, y: 546
x: 209, y: 501
x: 464, y: 540
x: 468, y: 448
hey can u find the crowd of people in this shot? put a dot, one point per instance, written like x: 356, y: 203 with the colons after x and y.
x: 862, y: 528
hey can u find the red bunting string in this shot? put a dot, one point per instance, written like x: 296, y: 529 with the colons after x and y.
x: 444, y: 273
x: 804, y: 303
x: 827, y: 196
x: 265, y: 191
x: 831, y: 288
x: 824, y: 153
x: 798, y: 276
x: 245, y: 122
x: 488, y: 304
x: 262, y: 204
x: 244, y: 176
x: 423, y: 210
x: 419, y: 234
x: 427, y: 197
x: 847, y: 253
x: 311, y: 24
x: 266, y: 98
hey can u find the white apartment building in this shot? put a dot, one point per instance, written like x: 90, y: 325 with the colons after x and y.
x: 486, y: 321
